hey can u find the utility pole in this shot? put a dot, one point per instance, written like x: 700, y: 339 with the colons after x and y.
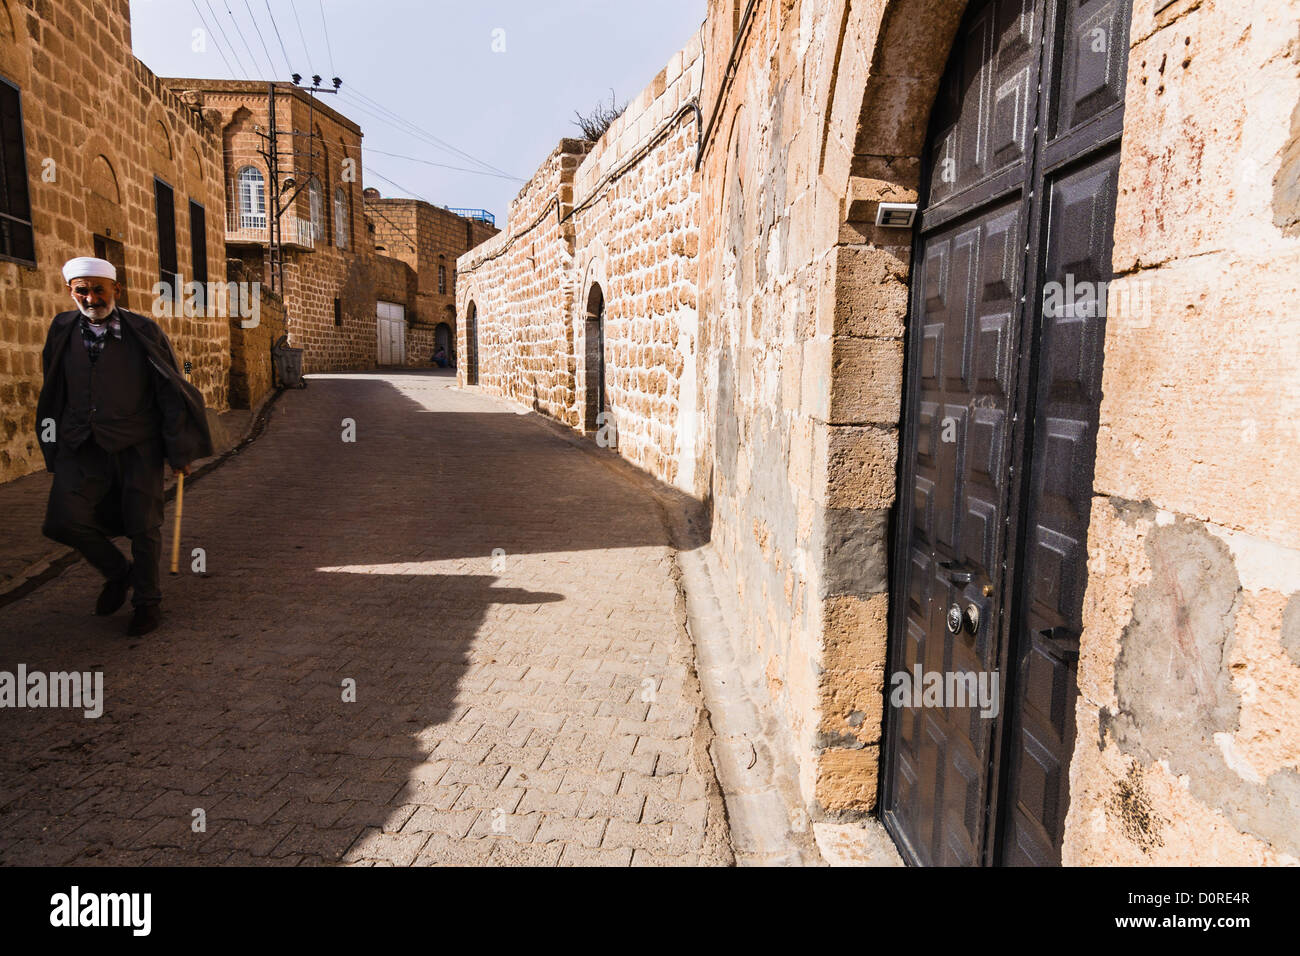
x: 275, y: 244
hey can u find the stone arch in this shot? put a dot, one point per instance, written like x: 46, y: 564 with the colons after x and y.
x: 888, y: 66
x: 444, y: 337
x: 194, y: 172
x: 235, y: 156
x: 102, y: 191
x: 593, y: 400
x: 326, y: 183
x: 160, y: 139
x: 102, y: 180
x: 594, y: 257
x: 13, y: 41
x: 877, y: 120
x: 472, y: 335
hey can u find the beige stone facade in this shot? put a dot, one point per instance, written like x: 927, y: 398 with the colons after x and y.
x: 756, y: 322
x: 329, y: 257
x: 429, y: 240
x: 98, y: 129
x: 608, y: 229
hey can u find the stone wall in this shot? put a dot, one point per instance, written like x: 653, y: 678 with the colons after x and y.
x: 98, y: 128
x: 615, y: 221
x: 326, y: 259
x: 250, y: 348
x: 520, y: 287
x: 803, y: 305
x: 1188, y: 737
x: 429, y: 240
x: 1188, y: 723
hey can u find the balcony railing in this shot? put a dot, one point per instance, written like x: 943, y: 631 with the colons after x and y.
x: 255, y: 227
x: 482, y: 215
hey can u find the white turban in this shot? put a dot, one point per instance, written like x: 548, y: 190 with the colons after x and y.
x: 84, y: 267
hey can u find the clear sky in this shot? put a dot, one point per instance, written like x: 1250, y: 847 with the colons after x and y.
x: 434, y: 65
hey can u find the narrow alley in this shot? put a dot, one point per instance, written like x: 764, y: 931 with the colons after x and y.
x: 501, y: 606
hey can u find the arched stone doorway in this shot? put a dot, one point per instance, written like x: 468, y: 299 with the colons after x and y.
x: 444, y: 339
x: 471, y: 344
x: 999, y: 427
x: 595, y: 409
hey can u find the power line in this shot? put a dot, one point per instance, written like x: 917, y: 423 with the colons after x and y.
x: 425, y: 133
x: 207, y: 29
x: 353, y: 104
x: 429, y: 162
x: 410, y: 129
x: 306, y: 50
x: 327, y: 38
x: 240, y: 33
x: 287, y: 65
x: 375, y: 172
x: 233, y: 52
x: 258, y: 30
x: 414, y: 245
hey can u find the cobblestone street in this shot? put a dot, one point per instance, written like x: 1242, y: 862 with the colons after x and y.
x: 506, y: 605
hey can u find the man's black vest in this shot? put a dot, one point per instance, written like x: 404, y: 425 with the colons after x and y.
x: 112, y: 399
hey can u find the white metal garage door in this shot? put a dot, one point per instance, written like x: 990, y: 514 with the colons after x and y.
x: 391, y: 325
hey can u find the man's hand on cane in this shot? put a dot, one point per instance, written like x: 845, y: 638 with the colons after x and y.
x: 183, y: 470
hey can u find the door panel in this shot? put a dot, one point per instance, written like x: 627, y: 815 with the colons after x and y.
x: 1000, y: 425
x: 1072, y: 333
x: 960, y: 457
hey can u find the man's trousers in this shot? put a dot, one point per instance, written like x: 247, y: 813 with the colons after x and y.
x: 98, y: 494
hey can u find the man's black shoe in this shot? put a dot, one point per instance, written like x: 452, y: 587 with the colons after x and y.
x: 113, y: 595
x: 144, y: 620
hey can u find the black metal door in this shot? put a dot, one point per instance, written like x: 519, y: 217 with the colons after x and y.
x: 1000, y: 429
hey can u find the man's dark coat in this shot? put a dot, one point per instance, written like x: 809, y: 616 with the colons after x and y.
x: 185, y: 437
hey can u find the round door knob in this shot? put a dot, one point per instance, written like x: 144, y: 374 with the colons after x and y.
x: 972, y: 618
x: 954, y: 619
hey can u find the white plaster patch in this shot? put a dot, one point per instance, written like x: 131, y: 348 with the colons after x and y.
x: 1236, y: 763
x: 1261, y: 564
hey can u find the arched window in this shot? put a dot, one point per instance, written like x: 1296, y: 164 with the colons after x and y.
x: 442, y: 275
x: 340, y: 218
x: 316, y: 203
x: 252, y: 198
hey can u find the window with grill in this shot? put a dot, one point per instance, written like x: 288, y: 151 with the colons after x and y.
x: 16, y: 239
x: 442, y: 279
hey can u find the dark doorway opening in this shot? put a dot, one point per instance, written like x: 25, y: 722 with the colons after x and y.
x: 444, y: 340
x: 595, y: 410
x: 471, y: 345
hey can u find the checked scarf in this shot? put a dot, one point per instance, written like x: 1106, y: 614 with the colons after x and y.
x: 95, y: 343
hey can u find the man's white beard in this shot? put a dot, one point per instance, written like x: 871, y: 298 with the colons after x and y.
x: 96, y: 315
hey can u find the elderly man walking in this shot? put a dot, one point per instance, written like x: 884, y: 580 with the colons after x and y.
x: 114, y: 404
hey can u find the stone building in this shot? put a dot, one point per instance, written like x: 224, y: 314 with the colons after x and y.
x: 329, y: 260
x: 970, y: 325
x: 429, y: 239
x: 99, y: 159
x: 584, y: 307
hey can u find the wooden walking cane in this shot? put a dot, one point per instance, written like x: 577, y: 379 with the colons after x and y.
x: 180, y: 503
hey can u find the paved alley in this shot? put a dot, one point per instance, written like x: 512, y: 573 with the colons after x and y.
x: 500, y: 605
